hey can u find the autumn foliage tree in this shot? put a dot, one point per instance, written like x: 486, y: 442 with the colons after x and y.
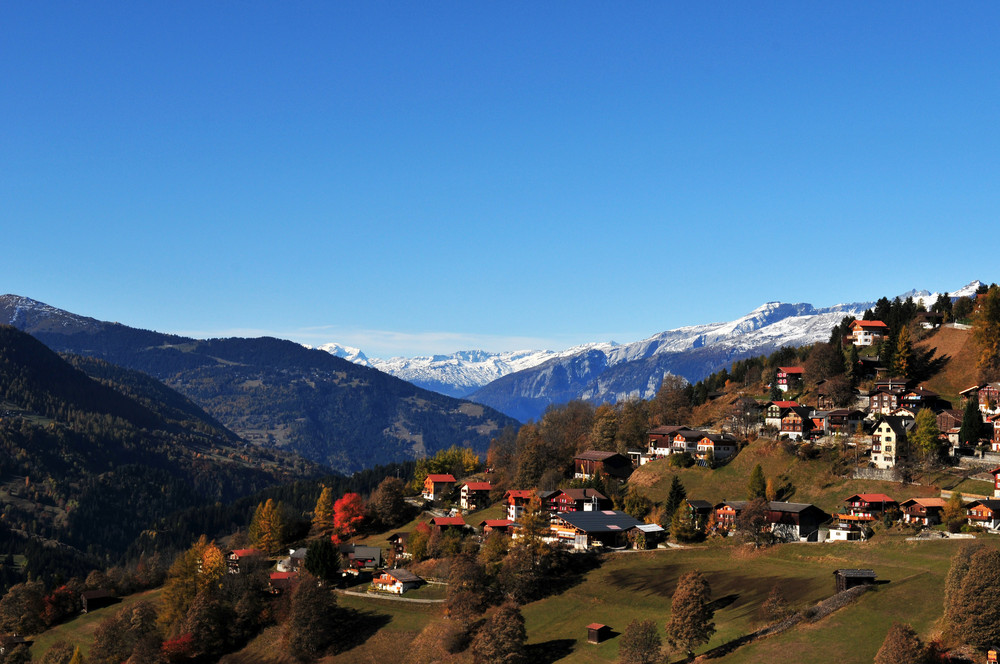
x: 640, y: 643
x: 322, y: 520
x: 901, y: 645
x: 502, y: 638
x: 691, y: 615
x: 986, y: 332
x: 267, y: 527
x: 348, y: 513
x: 312, y: 622
x: 972, y: 611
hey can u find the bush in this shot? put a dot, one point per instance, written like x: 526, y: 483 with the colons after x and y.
x: 682, y: 460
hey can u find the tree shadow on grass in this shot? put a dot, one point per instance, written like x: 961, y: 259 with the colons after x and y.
x: 356, y: 627
x: 549, y: 651
x: 723, y: 602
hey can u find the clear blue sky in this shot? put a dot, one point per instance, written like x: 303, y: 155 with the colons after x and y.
x: 418, y: 177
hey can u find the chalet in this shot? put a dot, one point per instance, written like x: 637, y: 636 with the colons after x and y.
x: 438, y: 486
x: 661, y: 439
x: 282, y: 582
x: 91, y: 600
x: 790, y: 522
x: 924, y: 511
x: 789, y: 378
x: 578, y: 500
x: 687, y: 441
x: 840, y: 420
x: 396, y: 581
x: 883, y: 401
x: 796, y: 423
x: 294, y: 562
x: 985, y: 513
x: 474, y: 495
x: 443, y: 523
x: 921, y: 397
x: 357, y: 557
x: 398, y: 543
x: 846, y: 579
x: 996, y: 481
x: 995, y: 440
x: 988, y: 395
x: 237, y: 559
x: 867, y: 332
x: 583, y: 530
x: 717, y: 446
x: 889, y: 441
x: 929, y: 320
x: 487, y: 526
x: 993, y: 654
x: 863, y: 508
x: 949, y: 419
x: 701, y: 512
x: 775, y: 411
x: 588, y: 464
x: 517, y: 502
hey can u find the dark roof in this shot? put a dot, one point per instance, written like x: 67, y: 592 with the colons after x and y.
x: 700, y: 504
x: 600, y: 521
x: 899, y: 425
x: 794, y: 508
x: 993, y: 505
x: 856, y: 573
x: 584, y: 494
x: 398, y: 537
x: 666, y: 430
x: 96, y: 594
x: 689, y: 434
x: 403, y: 575
x: 598, y: 455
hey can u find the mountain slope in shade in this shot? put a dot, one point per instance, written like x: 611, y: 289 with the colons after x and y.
x: 276, y: 392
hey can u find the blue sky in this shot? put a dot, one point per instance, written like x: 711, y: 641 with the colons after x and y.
x: 413, y: 178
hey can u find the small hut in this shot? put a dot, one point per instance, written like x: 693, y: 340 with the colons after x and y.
x: 849, y: 578
x: 96, y: 599
x: 596, y: 633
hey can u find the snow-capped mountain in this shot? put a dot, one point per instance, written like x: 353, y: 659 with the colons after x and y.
x: 457, y: 374
x: 523, y: 383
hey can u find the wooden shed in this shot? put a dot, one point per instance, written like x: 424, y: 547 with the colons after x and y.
x: 596, y: 633
x: 849, y: 578
x: 96, y: 599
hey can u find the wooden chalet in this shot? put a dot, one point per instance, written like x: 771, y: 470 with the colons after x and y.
x: 282, y: 582
x: 796, y: 423
x: 661, y: 440
x: 994, y: 421
x: 949, y: 419
x: 443, y: 523
x: 396, y: 581
x: 357, y: 557
x: 924, y: 511
x: 294, y: 562
x: 588, y: 464
x: 987, y: 394
x: 701, y: 512
x: 576, y: 500
x: 398, y: 543
x: 437, y: 486
x: 474, y: 495
x: 790, y: 522
x: 717, y: 446
x: 921, y: 397
x: 487, y: 526
x: 775, y: 410
x: 687, y: 441
x: 517, y: 501
x: 237, y: 559
x: 867, y: 332
x: 985, y: 513
x: 863, y: 508
x: 789, y: 378
x: 583, y: 530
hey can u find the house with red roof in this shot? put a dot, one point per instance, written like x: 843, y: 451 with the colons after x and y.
x: 661, y: 439
x: 474, y: 495
x: 867, y: 332
x: 789, y: 378
x: 866, y: 507
x: 488, y: 526
x: 438, y: 486
x: 775, y: 411
x: 239, y: 557
x: 517, y: 502
x: 925, y: 511
x: 443, y: 523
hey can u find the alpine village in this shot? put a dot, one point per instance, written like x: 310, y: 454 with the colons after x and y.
x: 834, y: 502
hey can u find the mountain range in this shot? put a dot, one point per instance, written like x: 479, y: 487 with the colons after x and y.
x: 523, y: 383
x: 276, y: 393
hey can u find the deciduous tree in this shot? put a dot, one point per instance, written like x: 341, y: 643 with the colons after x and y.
x: 640, y: 643
x: 974, y: 612
x: 986, y: 332
x: 901, y: 646
x: 924, y: 439
x: 502, y: 639
x: 752, y: 523
x: 387, y: 504
x: 312, y: 622
x: 322, y: 520
x: 691, y: 615
x: 348, y: 513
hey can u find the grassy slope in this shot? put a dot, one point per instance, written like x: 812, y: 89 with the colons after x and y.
x: 814, y: 481
x: 961, y: 371
x: 80, y: 631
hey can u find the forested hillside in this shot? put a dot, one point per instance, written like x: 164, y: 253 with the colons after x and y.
x: 275, y: 392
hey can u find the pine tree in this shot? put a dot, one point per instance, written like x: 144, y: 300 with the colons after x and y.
x: 323, y: 559
x: 757, y: 486
x: 902, y: 359
x: 690, y: 622
x: 972, y: 422
x: 675, y: 497
x: 322, y: 520
x: 901, y: 645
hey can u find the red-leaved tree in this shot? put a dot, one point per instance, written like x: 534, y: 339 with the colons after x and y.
x: 348, y: 513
